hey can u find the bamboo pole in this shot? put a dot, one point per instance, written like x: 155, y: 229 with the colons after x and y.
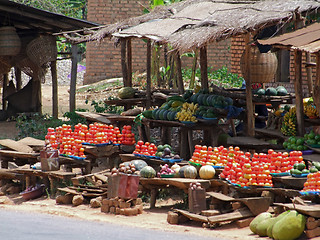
x: 124, y: 62
x: 298, y: 91
x: 194, y: 68
x: 17, y: 73
x: 204, y: 68
x: 249, y: 104
x: 4, y: 89
x: 129, y: 62
x: 179, y: 74
x: 148, y: 90
x: 54, y: 77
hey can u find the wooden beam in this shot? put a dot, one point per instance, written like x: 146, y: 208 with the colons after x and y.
x: 204, y: 68
x: 179, y: 74
x: 249, y: 103
x: 148, y: 90
x: 17, y: 73
x: 4, y: 89
x: 73, y: 81
x: 316, y: 93
x: 298, y: 91
x: 54, y: 78
x: 124, y: 62
x: 309, y: 74
x: 129, y: 62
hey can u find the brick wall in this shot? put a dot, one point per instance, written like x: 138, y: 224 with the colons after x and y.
x: 236, y: 50
x: 103, y: 58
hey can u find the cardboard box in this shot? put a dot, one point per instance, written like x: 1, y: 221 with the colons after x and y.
x: 49, y: 160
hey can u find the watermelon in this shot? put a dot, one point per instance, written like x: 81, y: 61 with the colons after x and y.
x: 271, y: 91
x: 126, y: 92
x: 147, y: 172
x: 139, y: 164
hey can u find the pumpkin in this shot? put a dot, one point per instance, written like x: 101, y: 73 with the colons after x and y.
x: 175, y: 167
x: 126, y: 92
x: 207, y: 172
x: 190, y: 172
x: 148, y: 172
x: 139, y: 164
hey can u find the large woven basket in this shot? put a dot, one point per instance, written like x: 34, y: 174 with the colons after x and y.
x: 263, y: 66
x: 42, y: 49
x: 10, y: 43
x: 30, y: 68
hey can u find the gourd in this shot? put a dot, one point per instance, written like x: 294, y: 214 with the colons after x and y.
x: 147, y: 172
x: 207, y: 172
x: 139, y: 164
x: 126, y: 92
x: 190, y: 172
x: 181, y: 171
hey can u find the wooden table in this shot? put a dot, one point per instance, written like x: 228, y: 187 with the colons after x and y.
x: 251, y: 143
x: 153, y: 184
x: 211, y: 130
x: 127, y: 103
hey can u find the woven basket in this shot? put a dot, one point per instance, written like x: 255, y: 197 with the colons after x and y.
x: 10, y: 43
x: 30, y: 68
x: 42, y: 50
x: 263, y: 66
x: 5, y: 65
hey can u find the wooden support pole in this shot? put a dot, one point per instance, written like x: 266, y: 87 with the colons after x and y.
x: 129, y: 62
x: 298, y: 91
x: 4, y: 89
x: 179, y: 74
x: 73, y: 82
x: 316, y: 94
x: 309, y: 74
x: 17, y: 73
x: 148, y: 90
x: 124, y: 62
x: 204, y: 68
x: 54, y: 78
x: 249, y: 104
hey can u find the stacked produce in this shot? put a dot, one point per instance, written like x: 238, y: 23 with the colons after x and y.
x: 312, y: 183
x: 299, y: 169
x: 312, y: 139
x: 310, y: 110
x: 148, y: 149
x: 125, y: 169
x: 187, y: 113
x: 270, y: 91
x: 288, y: 225
x: 289, y: 123
x: 212, y: 155
x: 165, y: 170
x: 69, y: 142
x: 295, y: 143
x: 166, y: 151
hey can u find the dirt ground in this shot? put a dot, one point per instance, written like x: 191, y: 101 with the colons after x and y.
x: 153, y: 219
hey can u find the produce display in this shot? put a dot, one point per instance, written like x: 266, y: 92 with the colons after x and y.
x: 270, y: 91
x: 69, y: 141
x: 288, y: 225
x: 126, y: 92
x: 187, y: 113
x: 312, y: 183
x: 165, y: 170
x: 289, y: 124
x: 125, y: 169
x: 301, y: 143
x: 311, y: 111
x: 148, y: 172
x: 299, y: 169
x: 207, y: 172
x: 147, y: 149
x: 217, y: 156
x: 165, y: 151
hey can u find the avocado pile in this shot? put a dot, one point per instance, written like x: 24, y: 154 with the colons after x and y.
x: 270, y: 91
x: 165, y: 151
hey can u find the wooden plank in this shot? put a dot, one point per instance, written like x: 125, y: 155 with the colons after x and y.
x: 220, y: 196
x: 299, y: 92
x: 290, y: 182
x: 192, y: 216
x: 32, y: 142
x: 312, y: 157
x: 182, y: 183
x: 238, y: 214
x: 17, y: 73
x: 313, y: 233
x: 5, y: 81
x: 93, y: 117
x: 310, y: 210
x: 249, y: 104
x: 9, y: 153
x: 244, y: 222
x: 68, y: 190
x: 271, y: 133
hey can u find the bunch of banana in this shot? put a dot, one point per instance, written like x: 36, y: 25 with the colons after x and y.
x: 310, y: 111
x: 289, y: 123
x: 187, y: 112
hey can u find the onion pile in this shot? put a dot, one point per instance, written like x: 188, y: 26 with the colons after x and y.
x: 195, y: 186
x: 126, y: 169
x: 165, y: 170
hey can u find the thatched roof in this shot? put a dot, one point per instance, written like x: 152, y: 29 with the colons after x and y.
x: 193, y: 23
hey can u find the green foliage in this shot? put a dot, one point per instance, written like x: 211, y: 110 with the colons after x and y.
x: 220, y: 77
x: 36, y: 125
x: 102, y: 107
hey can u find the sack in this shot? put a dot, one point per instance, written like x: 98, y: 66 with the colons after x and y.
x: 123, y: 186
x: 49, y: 160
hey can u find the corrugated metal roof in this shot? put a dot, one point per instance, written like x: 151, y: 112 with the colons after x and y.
x: 28, y: 19
x: 305, y: 39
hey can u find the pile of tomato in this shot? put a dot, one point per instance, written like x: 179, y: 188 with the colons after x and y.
x: 211, y: 155
x: 69, y: 142
x: 313, y: 183
x: 145, y: 148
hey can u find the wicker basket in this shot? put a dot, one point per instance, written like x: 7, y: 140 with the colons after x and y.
x: 42, y: 50
x: 10, y: 43
x: 30, y: 68
x: 263, y: 66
